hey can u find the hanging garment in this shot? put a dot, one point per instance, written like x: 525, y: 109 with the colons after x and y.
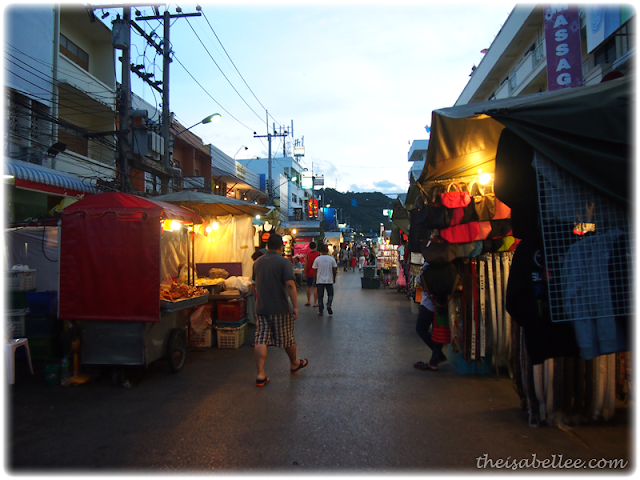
x: 586, y: 296
x: 527, y: 303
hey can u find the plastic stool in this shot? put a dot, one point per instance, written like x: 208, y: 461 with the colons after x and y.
x: 10, y: 357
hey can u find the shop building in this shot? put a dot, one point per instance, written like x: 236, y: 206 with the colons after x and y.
x: 516, y: 62
x: 61, y: 103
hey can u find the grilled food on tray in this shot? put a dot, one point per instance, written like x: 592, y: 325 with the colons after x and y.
x: 179, y: 292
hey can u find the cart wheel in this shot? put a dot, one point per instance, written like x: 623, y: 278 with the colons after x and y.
x: 177, y: 349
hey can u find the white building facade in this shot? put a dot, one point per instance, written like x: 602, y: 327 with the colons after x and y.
x: 516, y: 62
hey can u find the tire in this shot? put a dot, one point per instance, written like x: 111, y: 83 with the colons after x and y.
x: 177, y: 349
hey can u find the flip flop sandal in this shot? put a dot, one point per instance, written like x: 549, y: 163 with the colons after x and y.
x: 421, y: 366
x: 262, y: 382
x: 307, y: 304
x: 303, y: 363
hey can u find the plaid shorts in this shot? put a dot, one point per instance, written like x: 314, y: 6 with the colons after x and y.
x: 275, y: 330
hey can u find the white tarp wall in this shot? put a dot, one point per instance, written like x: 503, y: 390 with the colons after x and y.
x: 231, y: 242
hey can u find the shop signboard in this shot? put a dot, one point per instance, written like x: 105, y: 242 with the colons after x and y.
x: 562, y: 38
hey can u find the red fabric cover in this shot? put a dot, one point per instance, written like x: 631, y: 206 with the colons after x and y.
x: 126, y: 206
x: 110, y: 257
x: 110, y: 268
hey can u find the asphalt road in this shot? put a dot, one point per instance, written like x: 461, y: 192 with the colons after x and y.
x: 359, y: 407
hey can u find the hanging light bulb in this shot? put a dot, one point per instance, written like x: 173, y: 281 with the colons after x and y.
x: 215, y: 225
x: 175, y: 226
x: 484, y: 178
x: 208, y: 229
x: 294, y: 231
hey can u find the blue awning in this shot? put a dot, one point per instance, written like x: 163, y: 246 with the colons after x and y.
x: 47, y: 176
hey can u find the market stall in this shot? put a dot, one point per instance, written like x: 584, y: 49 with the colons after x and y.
x: 552, y: 170
x: 111, y: 278
x: 225, y: 241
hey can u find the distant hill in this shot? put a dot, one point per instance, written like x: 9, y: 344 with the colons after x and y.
x: 366, y: 215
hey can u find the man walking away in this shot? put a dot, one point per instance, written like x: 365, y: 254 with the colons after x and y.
x: 325, y: 269
x: 308, y: 266
x: 343, y: 257
x: 275, y: 286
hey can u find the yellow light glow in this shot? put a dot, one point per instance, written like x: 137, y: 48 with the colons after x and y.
x: 484, y: 178
x: 258, y: 217
x: 175, y: 226
x: 166, y: 225
x: 294, y: 231
x: 215, y: 225
x: 208, y: 229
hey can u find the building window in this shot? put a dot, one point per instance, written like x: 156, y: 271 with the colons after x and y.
x: 294, y: 199
x: 197, y: 172
x: 74, y: 140
x: 606, y: 53
x: 74, y: 52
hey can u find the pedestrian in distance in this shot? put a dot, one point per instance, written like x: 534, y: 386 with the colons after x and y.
x: 325, y: 270
x: 308, y: 267
x: 426, y: 315
x: 361, y: 258
x: 352, y: 260
x: 343, y: 257
x: 276, y: 308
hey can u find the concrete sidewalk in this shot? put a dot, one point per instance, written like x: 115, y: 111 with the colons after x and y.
x: 359, y: 407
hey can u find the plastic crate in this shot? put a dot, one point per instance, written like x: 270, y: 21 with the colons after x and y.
x: 231, y: 311
x: 239, y: 323
x: 471, y: 367
x: 230, y: 337
x: 17, y: 300
x: 17, y: 280
x: 43, y: 303
x: 201, y: 340
x: 16, y: 322
x: 370, y: 283
x: 42, y: 325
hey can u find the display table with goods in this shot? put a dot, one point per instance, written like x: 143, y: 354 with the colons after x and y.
x: 387, y: 258
x: 111, y: 285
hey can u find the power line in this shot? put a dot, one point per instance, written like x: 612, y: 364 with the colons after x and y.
x: 234, y: 66
x: 207, y: 92
x: 223, y: 74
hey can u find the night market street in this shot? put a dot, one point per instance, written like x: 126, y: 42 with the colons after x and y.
x: 359, y: 407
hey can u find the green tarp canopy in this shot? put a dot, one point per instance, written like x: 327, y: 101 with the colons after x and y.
x: 585, y: 130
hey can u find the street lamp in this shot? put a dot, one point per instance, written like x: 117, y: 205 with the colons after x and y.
x: 215, y: 117
x: 241, y: 147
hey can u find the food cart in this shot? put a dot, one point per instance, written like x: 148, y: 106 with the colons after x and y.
x: 110, y: 279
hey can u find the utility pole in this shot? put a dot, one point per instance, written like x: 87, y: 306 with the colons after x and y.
x: 269, y: 179
x: 166, y: 61
x: 125, y: 105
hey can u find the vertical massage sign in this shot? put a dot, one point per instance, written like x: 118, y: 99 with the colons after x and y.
x: 562, y: 36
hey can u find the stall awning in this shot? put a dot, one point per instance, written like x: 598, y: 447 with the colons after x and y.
x: 584, y: 130
x: 42, y: 178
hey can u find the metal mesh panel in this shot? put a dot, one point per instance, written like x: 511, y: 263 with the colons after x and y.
x: 588, y: 252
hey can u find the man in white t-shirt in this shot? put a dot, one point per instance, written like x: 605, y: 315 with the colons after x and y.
x: 324, y: 273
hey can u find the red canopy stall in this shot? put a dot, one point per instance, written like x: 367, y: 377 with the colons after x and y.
x: 110, y: 255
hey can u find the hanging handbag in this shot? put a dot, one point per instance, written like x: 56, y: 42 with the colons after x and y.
x: 488, y: 206
x: 455, y: 199
x: 433, y: 197
x: 437, y: 251
x: 439, y: 282
x: 466, y: 214
x: 441, y: 332
x: 467, y: 232
x: 499, y: 228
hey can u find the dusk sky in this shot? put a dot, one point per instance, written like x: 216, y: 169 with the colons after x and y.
x: 358, y: 79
